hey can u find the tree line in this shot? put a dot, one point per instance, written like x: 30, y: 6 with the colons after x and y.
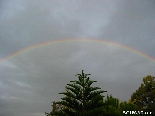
x: 82, y: 99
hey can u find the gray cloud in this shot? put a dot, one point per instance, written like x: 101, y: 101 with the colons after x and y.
x: 31, y: 80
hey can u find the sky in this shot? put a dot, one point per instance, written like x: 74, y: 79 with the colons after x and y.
x: 112, y: 40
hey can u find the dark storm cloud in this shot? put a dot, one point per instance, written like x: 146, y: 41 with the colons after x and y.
x: 27, y: 23
x: 133, y: 24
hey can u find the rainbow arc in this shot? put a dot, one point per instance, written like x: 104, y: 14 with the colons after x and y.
x: 77, y: 40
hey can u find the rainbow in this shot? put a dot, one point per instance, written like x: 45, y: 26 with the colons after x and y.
x: 75, y: 40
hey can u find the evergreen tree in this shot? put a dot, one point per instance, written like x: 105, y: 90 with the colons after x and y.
x: 81, y: 99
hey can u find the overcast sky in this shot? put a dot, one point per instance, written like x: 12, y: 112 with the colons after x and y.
x: 30, y: 81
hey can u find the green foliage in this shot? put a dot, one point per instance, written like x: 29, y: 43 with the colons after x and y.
x: 112, y: 106
x: 127, y: 106
x: 115, y: 108
x: 81, y: 99
x: 124, y: 106
x: 55, y: 107
x: 144, y: 97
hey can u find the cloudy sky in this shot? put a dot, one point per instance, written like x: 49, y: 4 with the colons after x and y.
x: 31, y: 80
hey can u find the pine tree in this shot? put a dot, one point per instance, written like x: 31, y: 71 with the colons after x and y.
x: 81, y: 99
